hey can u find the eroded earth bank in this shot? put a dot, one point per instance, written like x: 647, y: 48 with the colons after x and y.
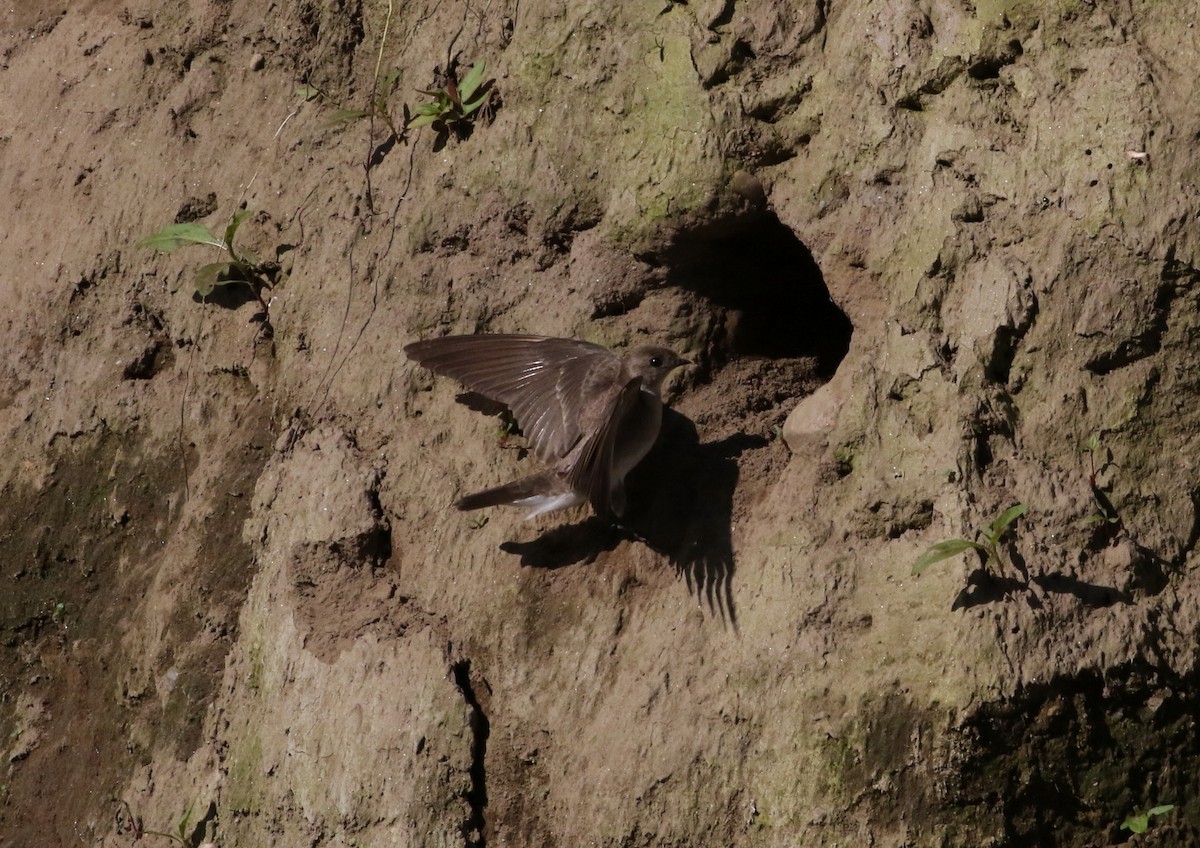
x: 931, y: 260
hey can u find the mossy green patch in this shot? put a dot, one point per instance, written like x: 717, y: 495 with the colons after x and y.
x: 244, y: 794
x: 620, y: 125
x: 254, y: 680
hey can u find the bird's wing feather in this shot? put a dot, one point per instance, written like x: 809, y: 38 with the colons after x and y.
x: 588, y: 470
x: 539, y: 378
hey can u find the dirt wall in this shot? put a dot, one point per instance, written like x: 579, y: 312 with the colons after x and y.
x: 930, y: 260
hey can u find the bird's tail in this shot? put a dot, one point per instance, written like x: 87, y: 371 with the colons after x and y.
x: 542, y: 492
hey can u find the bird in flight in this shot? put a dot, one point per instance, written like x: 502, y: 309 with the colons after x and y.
x: 590, y: 413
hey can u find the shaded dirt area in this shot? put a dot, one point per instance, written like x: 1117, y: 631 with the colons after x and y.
x: 929, y: 262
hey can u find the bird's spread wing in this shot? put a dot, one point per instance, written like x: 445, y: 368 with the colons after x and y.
x: 588, y: 470
x: 540, y: 379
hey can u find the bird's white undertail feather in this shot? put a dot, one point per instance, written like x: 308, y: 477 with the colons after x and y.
x: 548, y: 503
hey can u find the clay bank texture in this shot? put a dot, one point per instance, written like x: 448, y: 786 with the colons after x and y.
x: 929, y: 262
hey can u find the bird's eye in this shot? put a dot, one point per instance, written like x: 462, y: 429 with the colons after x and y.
x: 656, y: 362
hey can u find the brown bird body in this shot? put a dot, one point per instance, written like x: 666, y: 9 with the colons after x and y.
x: 590, y: 413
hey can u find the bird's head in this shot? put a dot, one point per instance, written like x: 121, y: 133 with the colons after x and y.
x: 652, y: 364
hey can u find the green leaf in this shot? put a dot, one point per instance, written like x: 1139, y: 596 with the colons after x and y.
x: 1137, y: 823
x: 442, y: 102
x: 389, y: 80
x: 208, y: 277
x: 423, y: 120
x: 177, y: 235
x: 346, y: 116
x: 1006, y: 518
x: 308, y: 92
x: 234, y: 223
x: 941, y: 551
x: 471, y: 81
x: 183, y: 822
x: 468, y: 108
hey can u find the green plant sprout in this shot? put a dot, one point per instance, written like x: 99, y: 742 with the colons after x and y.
x: 1140, y: 821
x: 453, y: 108
x: 506, y: 431
x: 989, y: 546
x: 180, y: 835
x: 1106, y: 513
x: 242, y: 268
x: 379, y: 107
x: 1094, y: 447
x: 453, y: 105
x: 381, y: 89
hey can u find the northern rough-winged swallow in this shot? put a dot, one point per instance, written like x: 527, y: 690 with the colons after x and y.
x: 590, y: 412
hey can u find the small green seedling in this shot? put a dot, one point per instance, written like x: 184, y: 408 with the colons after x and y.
x: 1104, y: 514
x: 134, y: 825
x: 1099, y: 459
x: 381, y: 90
x: 1140, y: 821
x: 506, y: 431
x: 453, y: 106
x: 242, y: 268
x: 379, y: 108
x: 989, y: 546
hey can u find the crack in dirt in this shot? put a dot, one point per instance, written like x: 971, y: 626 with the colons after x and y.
x: 474, y: 828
